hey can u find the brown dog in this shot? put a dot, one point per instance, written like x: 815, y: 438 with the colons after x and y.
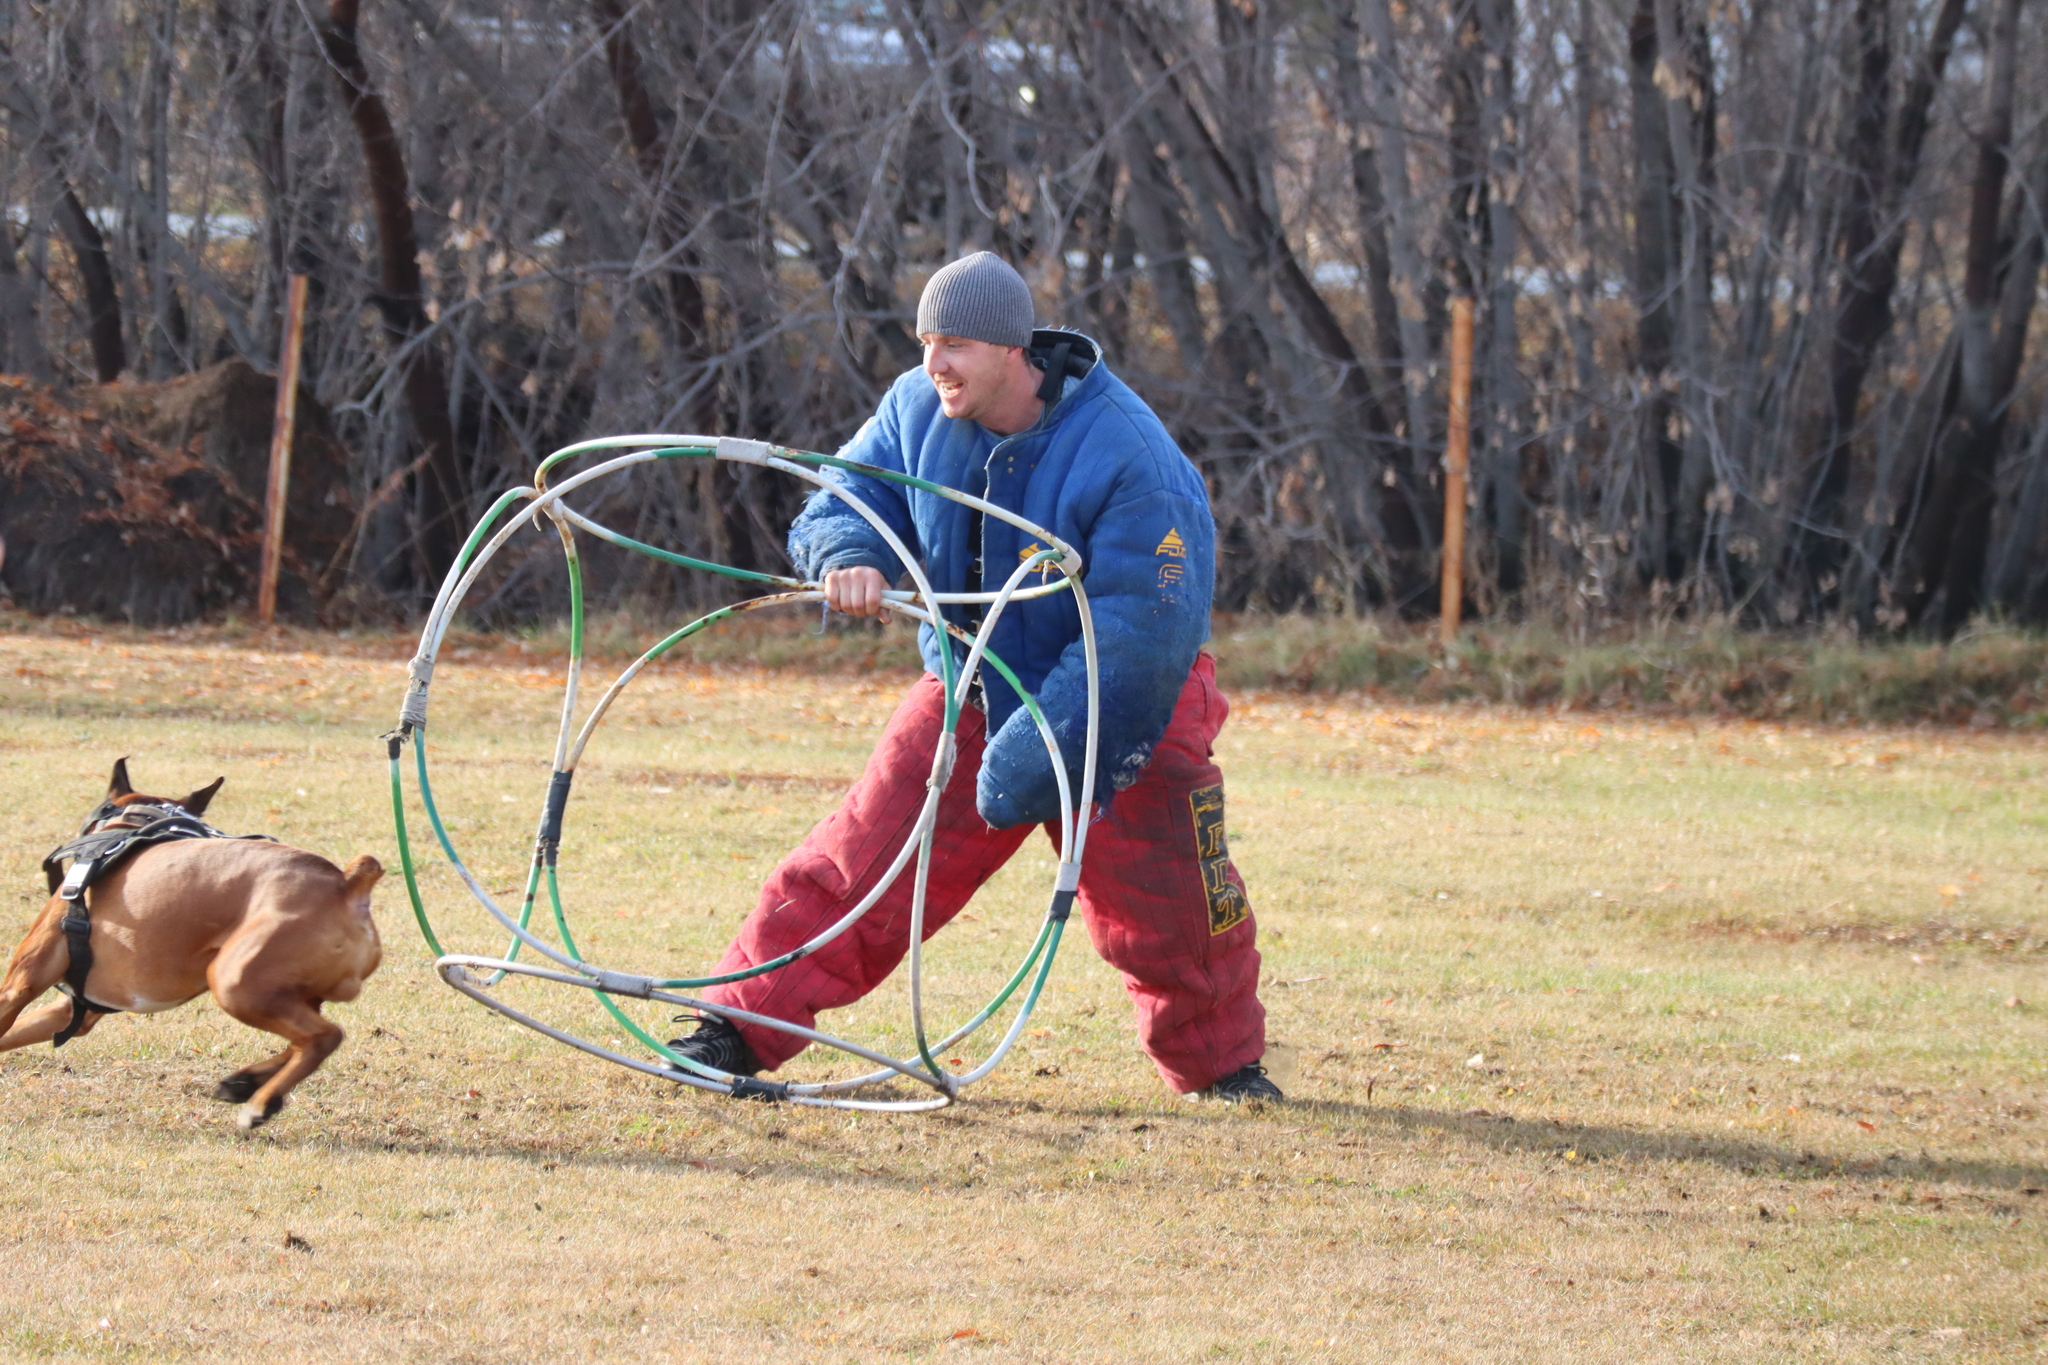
x: 274, y: 932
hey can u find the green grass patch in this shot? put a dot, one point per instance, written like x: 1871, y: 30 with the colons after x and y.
x: 1988, y: 677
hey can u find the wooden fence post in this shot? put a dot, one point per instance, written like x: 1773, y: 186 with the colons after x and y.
x: 1457, y: 461
x: 281, y: 448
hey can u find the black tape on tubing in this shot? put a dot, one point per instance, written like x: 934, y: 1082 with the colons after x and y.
x: 1062, y: 906
x: 551, y: 819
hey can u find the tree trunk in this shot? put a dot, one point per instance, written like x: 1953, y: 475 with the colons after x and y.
x: 1410, y: 272
x: 1872, y: 237
x: 1656, y: 286
x: 1945, y: 579
x: 1371, y: 203
x: 2022, y: 552
x: 21, y: 342
x: 169, y: 350
x: 441, y: 501
x: 642, y: 117
x: 96, y: 274
x: 1501, y: 436
x: 1689, y: 116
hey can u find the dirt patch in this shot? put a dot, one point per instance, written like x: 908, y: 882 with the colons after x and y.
x: 100, y: 522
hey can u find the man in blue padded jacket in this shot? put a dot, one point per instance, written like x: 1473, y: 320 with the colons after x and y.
x: 1032, y: 421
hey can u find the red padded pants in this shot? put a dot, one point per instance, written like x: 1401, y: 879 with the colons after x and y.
x: 1162, y: 903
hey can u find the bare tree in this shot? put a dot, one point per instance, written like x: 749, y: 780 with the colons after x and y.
x: 1754, y: 283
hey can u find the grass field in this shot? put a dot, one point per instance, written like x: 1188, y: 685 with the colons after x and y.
x: 1626, y: 1040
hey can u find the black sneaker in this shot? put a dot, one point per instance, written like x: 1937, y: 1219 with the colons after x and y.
x: 717, y: 1043
x: 1246, y: 1085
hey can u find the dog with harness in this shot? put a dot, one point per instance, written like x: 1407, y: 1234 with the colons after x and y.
x: 158, y: 906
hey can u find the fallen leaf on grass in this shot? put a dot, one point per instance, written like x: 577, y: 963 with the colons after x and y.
x: 294, y: 1242
x: 1383, y: 1047
x: 1866, y: 1125
x: 964, y: 1333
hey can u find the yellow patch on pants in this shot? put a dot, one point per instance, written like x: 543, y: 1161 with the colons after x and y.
x: 1228, y: 905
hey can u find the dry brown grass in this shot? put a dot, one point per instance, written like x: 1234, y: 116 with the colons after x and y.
x: 1541, y: 982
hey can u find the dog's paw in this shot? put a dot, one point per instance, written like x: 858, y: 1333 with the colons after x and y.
x: 236, y: 1089
x: 254, y: 1116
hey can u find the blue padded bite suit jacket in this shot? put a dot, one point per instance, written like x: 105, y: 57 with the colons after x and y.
x: 1099, y: 471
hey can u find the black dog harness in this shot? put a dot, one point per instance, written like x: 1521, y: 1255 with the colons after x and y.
x: 113, y: 834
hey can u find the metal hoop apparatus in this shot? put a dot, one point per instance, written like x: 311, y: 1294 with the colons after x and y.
x: 478, y: 976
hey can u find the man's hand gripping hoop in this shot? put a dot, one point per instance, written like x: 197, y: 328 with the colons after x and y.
x: 479, y: 977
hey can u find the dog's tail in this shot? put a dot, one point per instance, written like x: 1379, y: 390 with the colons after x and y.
x: 362, y: 873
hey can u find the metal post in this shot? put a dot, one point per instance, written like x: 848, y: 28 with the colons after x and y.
x: 1457, y: 460
x: 281, y: 448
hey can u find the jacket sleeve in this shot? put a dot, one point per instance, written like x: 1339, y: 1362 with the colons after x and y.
x: 828, y: 534
x: 1151, y: 612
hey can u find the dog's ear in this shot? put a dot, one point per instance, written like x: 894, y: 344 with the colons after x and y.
x: 195, y: 804
x: 117, y: 786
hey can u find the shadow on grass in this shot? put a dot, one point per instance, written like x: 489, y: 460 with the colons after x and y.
x: 808, y: 1158
x: 1600, y: 1142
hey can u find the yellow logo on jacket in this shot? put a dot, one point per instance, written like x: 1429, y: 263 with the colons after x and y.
x: 1030, y: 550
x: 1173, y: 545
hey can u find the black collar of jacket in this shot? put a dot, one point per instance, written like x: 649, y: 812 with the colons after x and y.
x: 1062, y: 355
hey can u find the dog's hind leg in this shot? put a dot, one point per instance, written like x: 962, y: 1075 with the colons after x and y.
x: 296, y: 1020
x: 41, y: 1025
x: 237, y: 1088
x: 37, y: 965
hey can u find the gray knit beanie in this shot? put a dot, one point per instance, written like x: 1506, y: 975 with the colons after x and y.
x: 979, y: 297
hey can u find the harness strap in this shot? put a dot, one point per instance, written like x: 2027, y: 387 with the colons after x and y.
x: 77, y: 928
x: 93, y: 855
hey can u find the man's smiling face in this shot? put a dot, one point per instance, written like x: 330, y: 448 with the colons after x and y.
x: 972, y: 377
